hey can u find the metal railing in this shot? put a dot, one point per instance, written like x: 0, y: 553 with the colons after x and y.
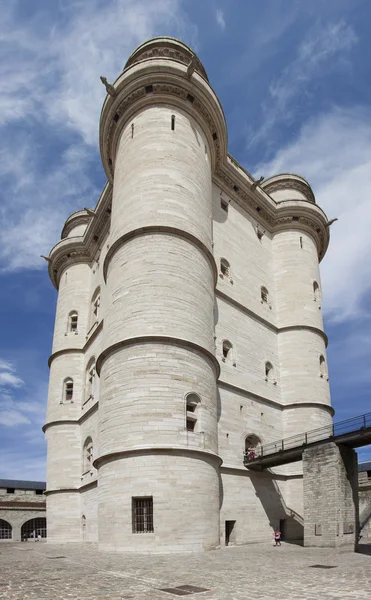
x: 352, y: 425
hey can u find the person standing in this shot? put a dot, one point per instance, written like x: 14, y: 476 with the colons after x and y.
x: 277, y: 538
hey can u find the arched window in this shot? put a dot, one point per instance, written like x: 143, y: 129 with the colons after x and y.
x: 90, y: 380
x: 322, y: 366
x: 269, y: 372
x: 95, y: 307
x: 34, y: 528
x: 192, y: 409
x: 225, y: 268
x: 68, y: 390
x: 252, y: 443
x: 316, y: 292
x: 227, y: 350
x: 72, y: 321
x: 5, y: 530
x: 264, y: 295
x: 87, y: 458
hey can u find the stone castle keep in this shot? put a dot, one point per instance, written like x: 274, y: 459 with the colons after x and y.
x: 188, y: 328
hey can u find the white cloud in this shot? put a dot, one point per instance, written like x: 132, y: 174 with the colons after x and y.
x: 220, y: 19
x: 52, y: 92
x: 10, y: 418
x: 20, y: 404
x: 323, y: 51
x: 333, y: 151
x: 8, y: 378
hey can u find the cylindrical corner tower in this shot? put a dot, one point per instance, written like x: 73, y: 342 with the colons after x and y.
x: 299, y: 242
x: 158, y: 372
x: 62, y: 429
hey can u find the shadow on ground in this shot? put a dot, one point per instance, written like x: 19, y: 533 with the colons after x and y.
x: 364, y: 548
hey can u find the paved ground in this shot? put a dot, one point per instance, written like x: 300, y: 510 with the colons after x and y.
x: 257, y: 572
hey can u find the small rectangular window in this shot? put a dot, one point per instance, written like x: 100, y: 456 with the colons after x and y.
x: 173, y: 122
x: 191, y: 425
x: 39, y: 492
x: 224, y: 205
x: 69, y: 390
x: 10, y: 490
x: 142, y: 515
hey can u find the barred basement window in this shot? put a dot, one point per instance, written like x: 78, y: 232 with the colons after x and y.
x: 142, y: 515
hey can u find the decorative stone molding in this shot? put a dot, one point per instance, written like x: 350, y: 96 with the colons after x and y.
x: 159, y: 339
x: 80, y: 217
x: 197, y: 98
x: 152, y: 450
x: 160, y: 229
x: 165, y: 48
x: 289, y: 181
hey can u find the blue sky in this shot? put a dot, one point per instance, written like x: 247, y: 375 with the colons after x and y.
x: 294, y: 81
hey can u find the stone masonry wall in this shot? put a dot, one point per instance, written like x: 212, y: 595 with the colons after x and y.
x: 330, y: 496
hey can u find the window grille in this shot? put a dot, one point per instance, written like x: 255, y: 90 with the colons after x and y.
x: 5, y: 530
x: 33, y: 528
x: 142, y: 510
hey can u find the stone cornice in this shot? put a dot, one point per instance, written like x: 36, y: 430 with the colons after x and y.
x: 265, y: 322
x: 160, y: 229
x: 273, y: 403
x: 152, y: 450
x: 81, y: 488
x: 79, y: 217
x: 78, y: 421
x: 82, y: 249
x: 77, y: 350
x: 158, y: 339
x: 157, y: 73
x: 167, y: 48
x: 289, y: 181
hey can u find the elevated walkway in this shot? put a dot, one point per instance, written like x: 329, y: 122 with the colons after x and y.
x: 353, y: 433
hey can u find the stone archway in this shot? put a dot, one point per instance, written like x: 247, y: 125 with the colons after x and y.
x: 6, y: 530
x: 33, y: 528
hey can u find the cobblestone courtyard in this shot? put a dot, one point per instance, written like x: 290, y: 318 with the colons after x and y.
x: 259, y: 572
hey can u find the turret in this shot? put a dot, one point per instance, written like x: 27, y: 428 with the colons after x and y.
x: 158, y: 372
